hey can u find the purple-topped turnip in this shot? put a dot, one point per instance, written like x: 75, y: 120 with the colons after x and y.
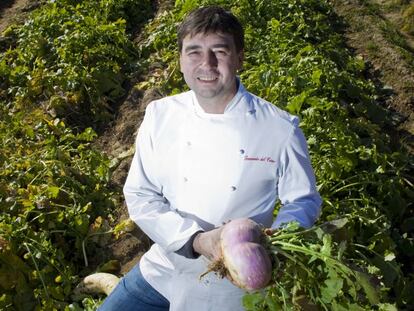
x: 244, y: 260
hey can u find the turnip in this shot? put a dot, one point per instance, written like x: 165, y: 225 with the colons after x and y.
x: 240, y: 230
x: 248, y: 264
x: 309, y: 268
x: 244, y: 260
x: 96, y: 283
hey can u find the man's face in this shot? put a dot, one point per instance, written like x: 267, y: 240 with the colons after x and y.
x: 209, y: 63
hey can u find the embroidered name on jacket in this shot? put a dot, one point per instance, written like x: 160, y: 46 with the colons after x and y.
x: 262, y: 159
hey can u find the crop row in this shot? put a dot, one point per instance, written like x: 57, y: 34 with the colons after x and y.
x: 62, y: 71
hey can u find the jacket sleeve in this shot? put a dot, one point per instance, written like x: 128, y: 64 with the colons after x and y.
x: 147, y: 206
x: 297, y: 186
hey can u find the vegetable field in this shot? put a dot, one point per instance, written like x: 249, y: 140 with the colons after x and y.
x: 67, y: 67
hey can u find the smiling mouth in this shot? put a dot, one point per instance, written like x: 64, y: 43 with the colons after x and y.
x: 207, y: 79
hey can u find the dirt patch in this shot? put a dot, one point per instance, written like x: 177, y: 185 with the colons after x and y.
x: 394, y: 11
x: 5, y: 4
x: 116, y: 141
x: 370, y: 34
x: 119, y: 138
x: 15, y: 11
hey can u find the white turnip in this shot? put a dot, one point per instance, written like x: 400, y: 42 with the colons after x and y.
x: 97, y: 283
x: 245, y: 261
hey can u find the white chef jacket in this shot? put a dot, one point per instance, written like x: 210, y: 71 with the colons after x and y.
x: 193, y: 171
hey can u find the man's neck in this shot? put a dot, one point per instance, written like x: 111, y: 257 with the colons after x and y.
x: 216, y: 105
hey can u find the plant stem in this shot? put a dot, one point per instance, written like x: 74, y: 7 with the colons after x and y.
x: 37, y: 269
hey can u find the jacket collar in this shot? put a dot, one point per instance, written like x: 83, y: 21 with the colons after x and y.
x: 239, y: 104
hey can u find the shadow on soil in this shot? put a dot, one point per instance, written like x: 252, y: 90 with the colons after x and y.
x: 5, y: 4
x: 380, y: 112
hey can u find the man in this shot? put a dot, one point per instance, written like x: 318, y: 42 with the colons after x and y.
x: 205, y: 157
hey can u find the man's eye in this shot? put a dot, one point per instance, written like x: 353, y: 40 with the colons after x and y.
x: 221, y: 52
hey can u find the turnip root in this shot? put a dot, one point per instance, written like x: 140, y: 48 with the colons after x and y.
x: 240, y: 230
x: 249, y: 265
x: 97, y: 283
x: 244, y: 260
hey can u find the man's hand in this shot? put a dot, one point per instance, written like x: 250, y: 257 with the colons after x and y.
x: 208, y: 244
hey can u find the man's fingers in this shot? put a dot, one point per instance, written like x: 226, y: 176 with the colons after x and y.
x: 208, y: 244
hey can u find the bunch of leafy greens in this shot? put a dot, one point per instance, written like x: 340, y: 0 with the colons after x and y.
x: 310, y: 271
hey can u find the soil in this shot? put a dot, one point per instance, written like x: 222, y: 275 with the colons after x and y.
x: 118, y: 140
x: 367, y: 26
x: 15, y: 11
x: 364, y: 36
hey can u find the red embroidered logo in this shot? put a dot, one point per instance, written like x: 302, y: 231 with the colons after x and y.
x: 263, y: 159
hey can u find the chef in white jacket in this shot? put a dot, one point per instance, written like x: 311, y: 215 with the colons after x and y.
x: 204, y: 157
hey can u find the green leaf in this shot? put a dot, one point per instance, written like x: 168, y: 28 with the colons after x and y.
x: 368, y: 288
x: 252, y: 301
x: 387, y: 307
x: 9, y: 278
x: 295, y: 104
x: 111, y: 266
x: 316, y: 76
x: 327, y: 245
x: 389, y: 256
x: 53, y: 191
x: 332, y: 288
x: 272, y: 303
x: 127, y: 225
x: 332, y: 225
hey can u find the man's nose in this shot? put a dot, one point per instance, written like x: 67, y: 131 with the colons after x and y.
x: 209, y: 59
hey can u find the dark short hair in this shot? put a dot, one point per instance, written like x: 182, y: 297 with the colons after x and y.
x: 211, y: 19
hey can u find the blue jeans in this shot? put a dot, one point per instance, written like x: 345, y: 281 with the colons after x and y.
x: 133, y: 293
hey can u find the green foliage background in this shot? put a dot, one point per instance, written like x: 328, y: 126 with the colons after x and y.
x: 72, y: 59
